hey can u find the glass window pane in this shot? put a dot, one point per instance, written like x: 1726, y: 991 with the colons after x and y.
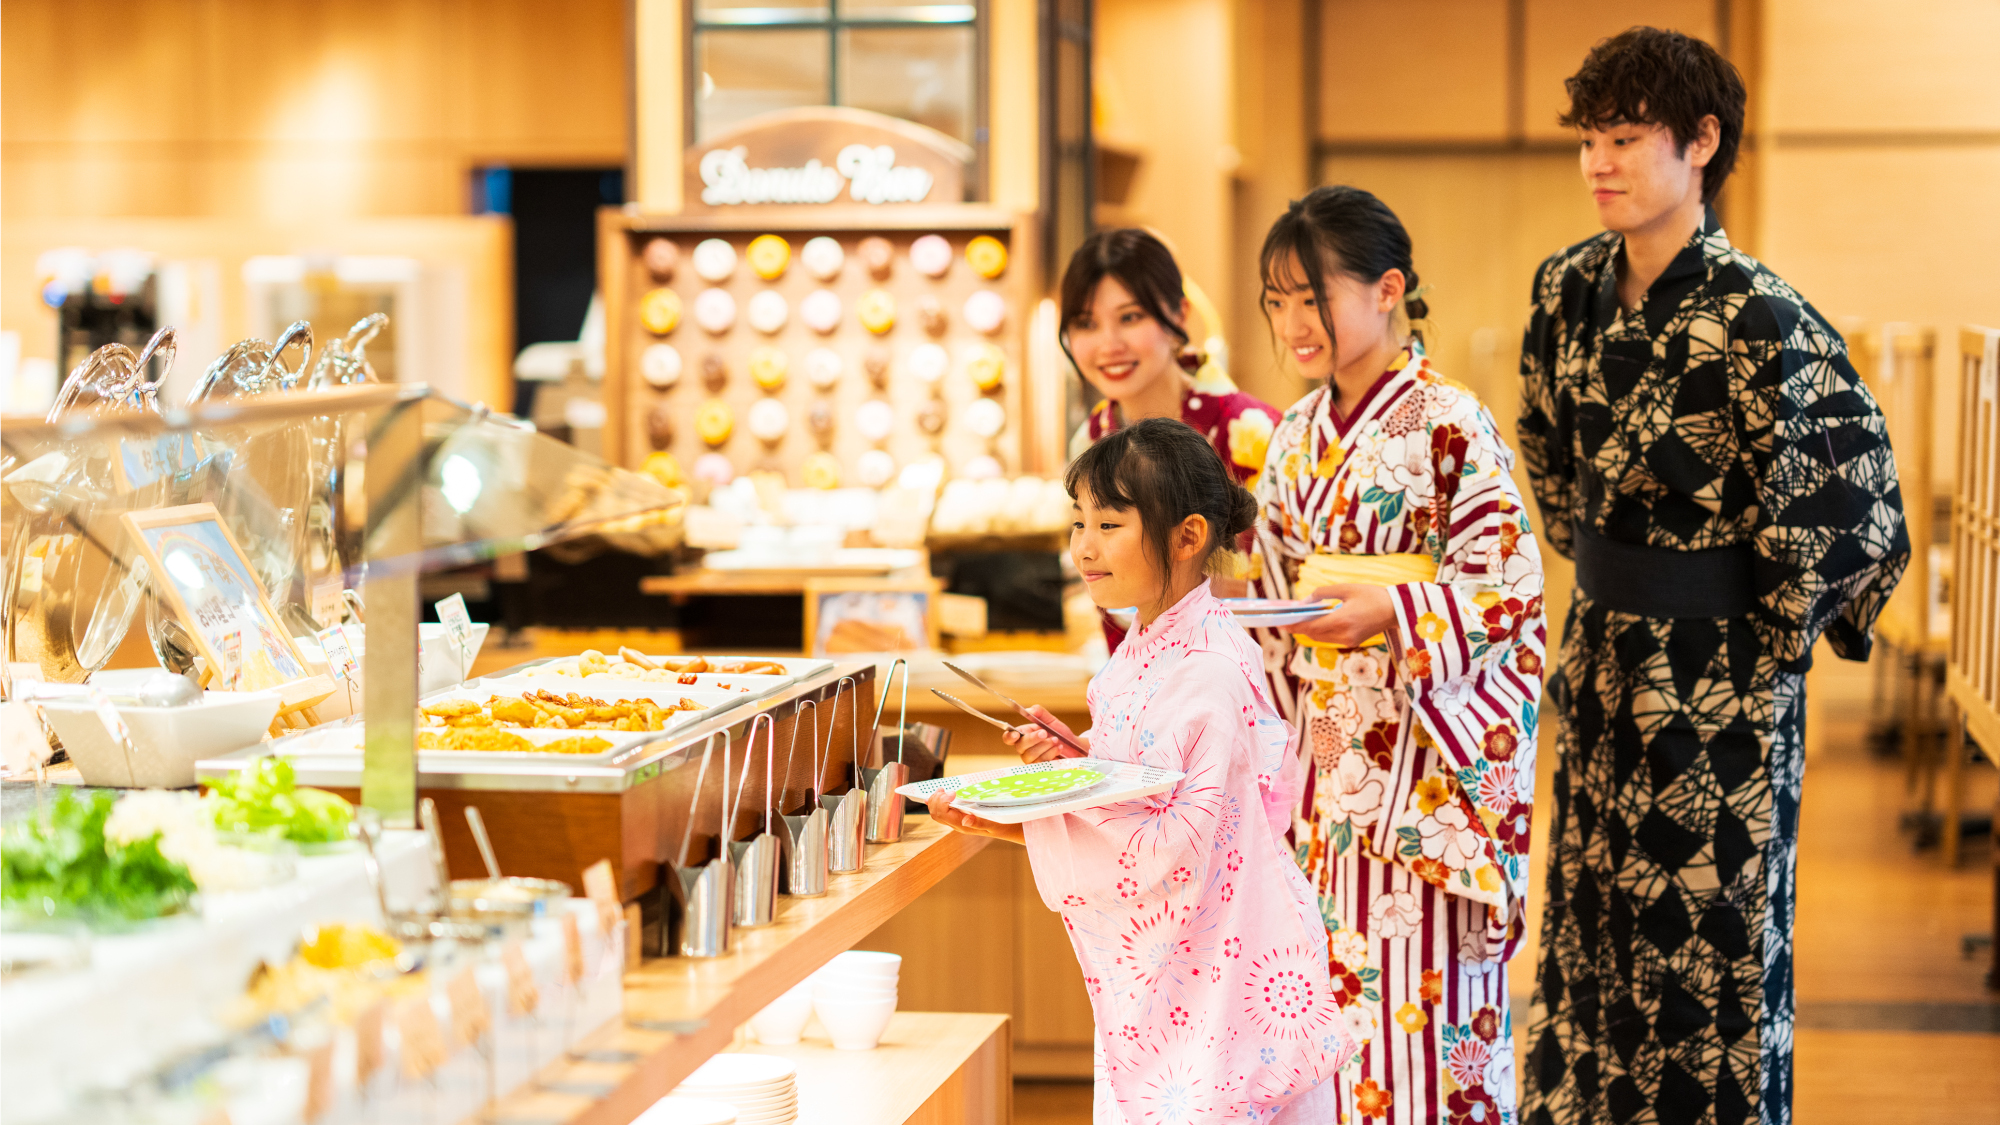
x: 760, y: 11
x: 921, y: 74
x: 920, y: 11
x: 745, y: 73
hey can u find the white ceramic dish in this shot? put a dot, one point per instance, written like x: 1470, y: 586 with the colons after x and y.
x: 854, y: 1025
x: 166, y: 741
x: 865, y: 962
x: 783, y: 1019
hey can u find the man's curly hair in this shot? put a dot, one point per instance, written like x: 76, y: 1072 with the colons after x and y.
x: 1646, y: 76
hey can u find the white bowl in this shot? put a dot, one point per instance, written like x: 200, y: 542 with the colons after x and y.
x: 855, y: 1025
x: 676, y: 1110
x: 866, y: 961
x: 852, y: 992
x: 166, y: 741
x: 783, y: 1019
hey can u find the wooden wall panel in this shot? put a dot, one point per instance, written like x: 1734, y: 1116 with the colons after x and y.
x: 1561, y: 32
x: 1450, y: 85
x: 1856, y: 66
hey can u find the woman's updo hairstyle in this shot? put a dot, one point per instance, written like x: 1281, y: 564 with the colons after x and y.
x: 1351, y: 230
x: 1164, y: 470
x: 1140, y: 262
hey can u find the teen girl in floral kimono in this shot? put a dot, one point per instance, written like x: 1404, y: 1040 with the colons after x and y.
x: 1389, y: 488
x: 1200, y: 940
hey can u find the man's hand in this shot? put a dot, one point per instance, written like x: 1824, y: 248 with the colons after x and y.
x: 1038, y: 745
x: 943, y: 813
x: 1364, y: 611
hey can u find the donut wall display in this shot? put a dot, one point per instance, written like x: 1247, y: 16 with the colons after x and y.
x: 833, y: 356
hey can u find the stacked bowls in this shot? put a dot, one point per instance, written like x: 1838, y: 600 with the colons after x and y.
x: 762, y: 1088
x: 854, y: 996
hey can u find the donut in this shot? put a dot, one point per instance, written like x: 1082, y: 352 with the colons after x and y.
x: 768, y: 367
x: 768, y: 420
x: 931, y: 417
x: 877, y: 308
x: 981, y: 468
x: 715, y: 311
x: 820, y: 470
x: 927, y: 363
x: 660, y: 256
x: 714, y: 372
x: 660, y: 310
x: 664, y: 468
x: 823, y: 367
x: 930, y: 313
x: 820, y: 418
x: 661, y: 365
x: 660, y: 425
x: 823, y: 257
x: 985, y: 417
x: 714, y: 259
x: 714, y: 422
x: 874, y: 419
x: 985, y: 311
x: 986, y: 256
x: 875, y: 468
x: 876, y: 256
x: 768, y: 311
x: 714, y: 470
x: 931, y: 254
x: 985, y: 365
x: 875, y: 361
x: 769, y: 254
x: 821, y: 311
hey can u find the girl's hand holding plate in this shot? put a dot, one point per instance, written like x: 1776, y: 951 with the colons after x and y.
x: 1038, y: 745
x: 960, y: 821
x: 1364, y: 611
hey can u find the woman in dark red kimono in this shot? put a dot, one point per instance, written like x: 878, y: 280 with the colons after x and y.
x: 1124, y: 325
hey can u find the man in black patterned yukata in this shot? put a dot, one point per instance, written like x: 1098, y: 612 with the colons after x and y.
x: 1702, y: 447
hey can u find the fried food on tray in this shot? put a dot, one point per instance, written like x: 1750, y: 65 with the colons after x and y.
x: 579, y: 744
x: 630, y: 664
x: 487, y: 740
x: 548, y: 710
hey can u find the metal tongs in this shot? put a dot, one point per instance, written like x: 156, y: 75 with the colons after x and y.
x: 1081, y: 751
x: 885, y: 808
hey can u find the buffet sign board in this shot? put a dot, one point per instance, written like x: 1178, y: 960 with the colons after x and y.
x: 207, y: 580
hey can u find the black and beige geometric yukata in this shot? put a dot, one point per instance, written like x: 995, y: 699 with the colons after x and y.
x: 1722, y: 411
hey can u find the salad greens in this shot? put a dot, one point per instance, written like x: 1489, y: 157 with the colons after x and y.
x: 60, y: 862
x: 266, y: 798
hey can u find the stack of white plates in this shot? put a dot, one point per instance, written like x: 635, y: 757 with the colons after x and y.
x: 763, y: 1088
x: 675, y: 1110
x: 854, y: 996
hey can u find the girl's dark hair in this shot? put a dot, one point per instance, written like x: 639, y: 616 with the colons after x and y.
x: 1351, y: 231
x: 1164, y: 470
x: 1140, y: 262
x: 1646, y: 76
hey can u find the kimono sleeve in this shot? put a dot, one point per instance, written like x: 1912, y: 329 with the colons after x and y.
x: 1202, y: 723
x: 1829, y: 534
x: 1543, y: 430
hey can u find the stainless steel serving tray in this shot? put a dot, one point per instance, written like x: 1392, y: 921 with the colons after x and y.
x: 615, y: 771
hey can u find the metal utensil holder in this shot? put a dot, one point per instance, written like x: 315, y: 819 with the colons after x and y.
x: 804, y: 838
x: 885, y: 808
x: 756, y: 859
x: 699, y: 914
x: 846, y: 844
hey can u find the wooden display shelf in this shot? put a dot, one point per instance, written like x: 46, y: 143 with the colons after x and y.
x: 680, y: 1011
x: 702, y: 582
x: 939, y: 1068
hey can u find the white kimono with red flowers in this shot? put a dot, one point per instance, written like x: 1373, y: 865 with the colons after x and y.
x: 1414, y: 827
x: 1200, y: 940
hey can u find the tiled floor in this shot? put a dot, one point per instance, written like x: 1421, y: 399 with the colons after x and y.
x: 1894, y: 1024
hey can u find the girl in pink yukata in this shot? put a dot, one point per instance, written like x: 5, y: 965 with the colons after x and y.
x: 1200, y: 939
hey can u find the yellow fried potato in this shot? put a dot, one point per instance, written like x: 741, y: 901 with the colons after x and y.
x: 581, y: 744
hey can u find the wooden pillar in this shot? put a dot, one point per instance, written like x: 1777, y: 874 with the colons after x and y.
x: 659, y: 114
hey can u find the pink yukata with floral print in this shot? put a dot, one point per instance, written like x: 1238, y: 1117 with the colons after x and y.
x: 1200, y: 939
x: 1414, y: 825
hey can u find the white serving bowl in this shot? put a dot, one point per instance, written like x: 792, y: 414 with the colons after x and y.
x: 783, y: 1019
x: 166, y: 741
x: 854, y: 1025
x: 851, y: 992
x: 676, y: 1110
x: 859, y: 963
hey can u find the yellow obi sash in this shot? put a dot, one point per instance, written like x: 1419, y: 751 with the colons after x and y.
x: 1375, y: 570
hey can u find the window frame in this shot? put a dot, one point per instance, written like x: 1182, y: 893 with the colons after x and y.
x: 831, y: 25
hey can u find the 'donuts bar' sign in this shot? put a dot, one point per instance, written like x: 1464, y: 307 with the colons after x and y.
x: 825, y: 155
